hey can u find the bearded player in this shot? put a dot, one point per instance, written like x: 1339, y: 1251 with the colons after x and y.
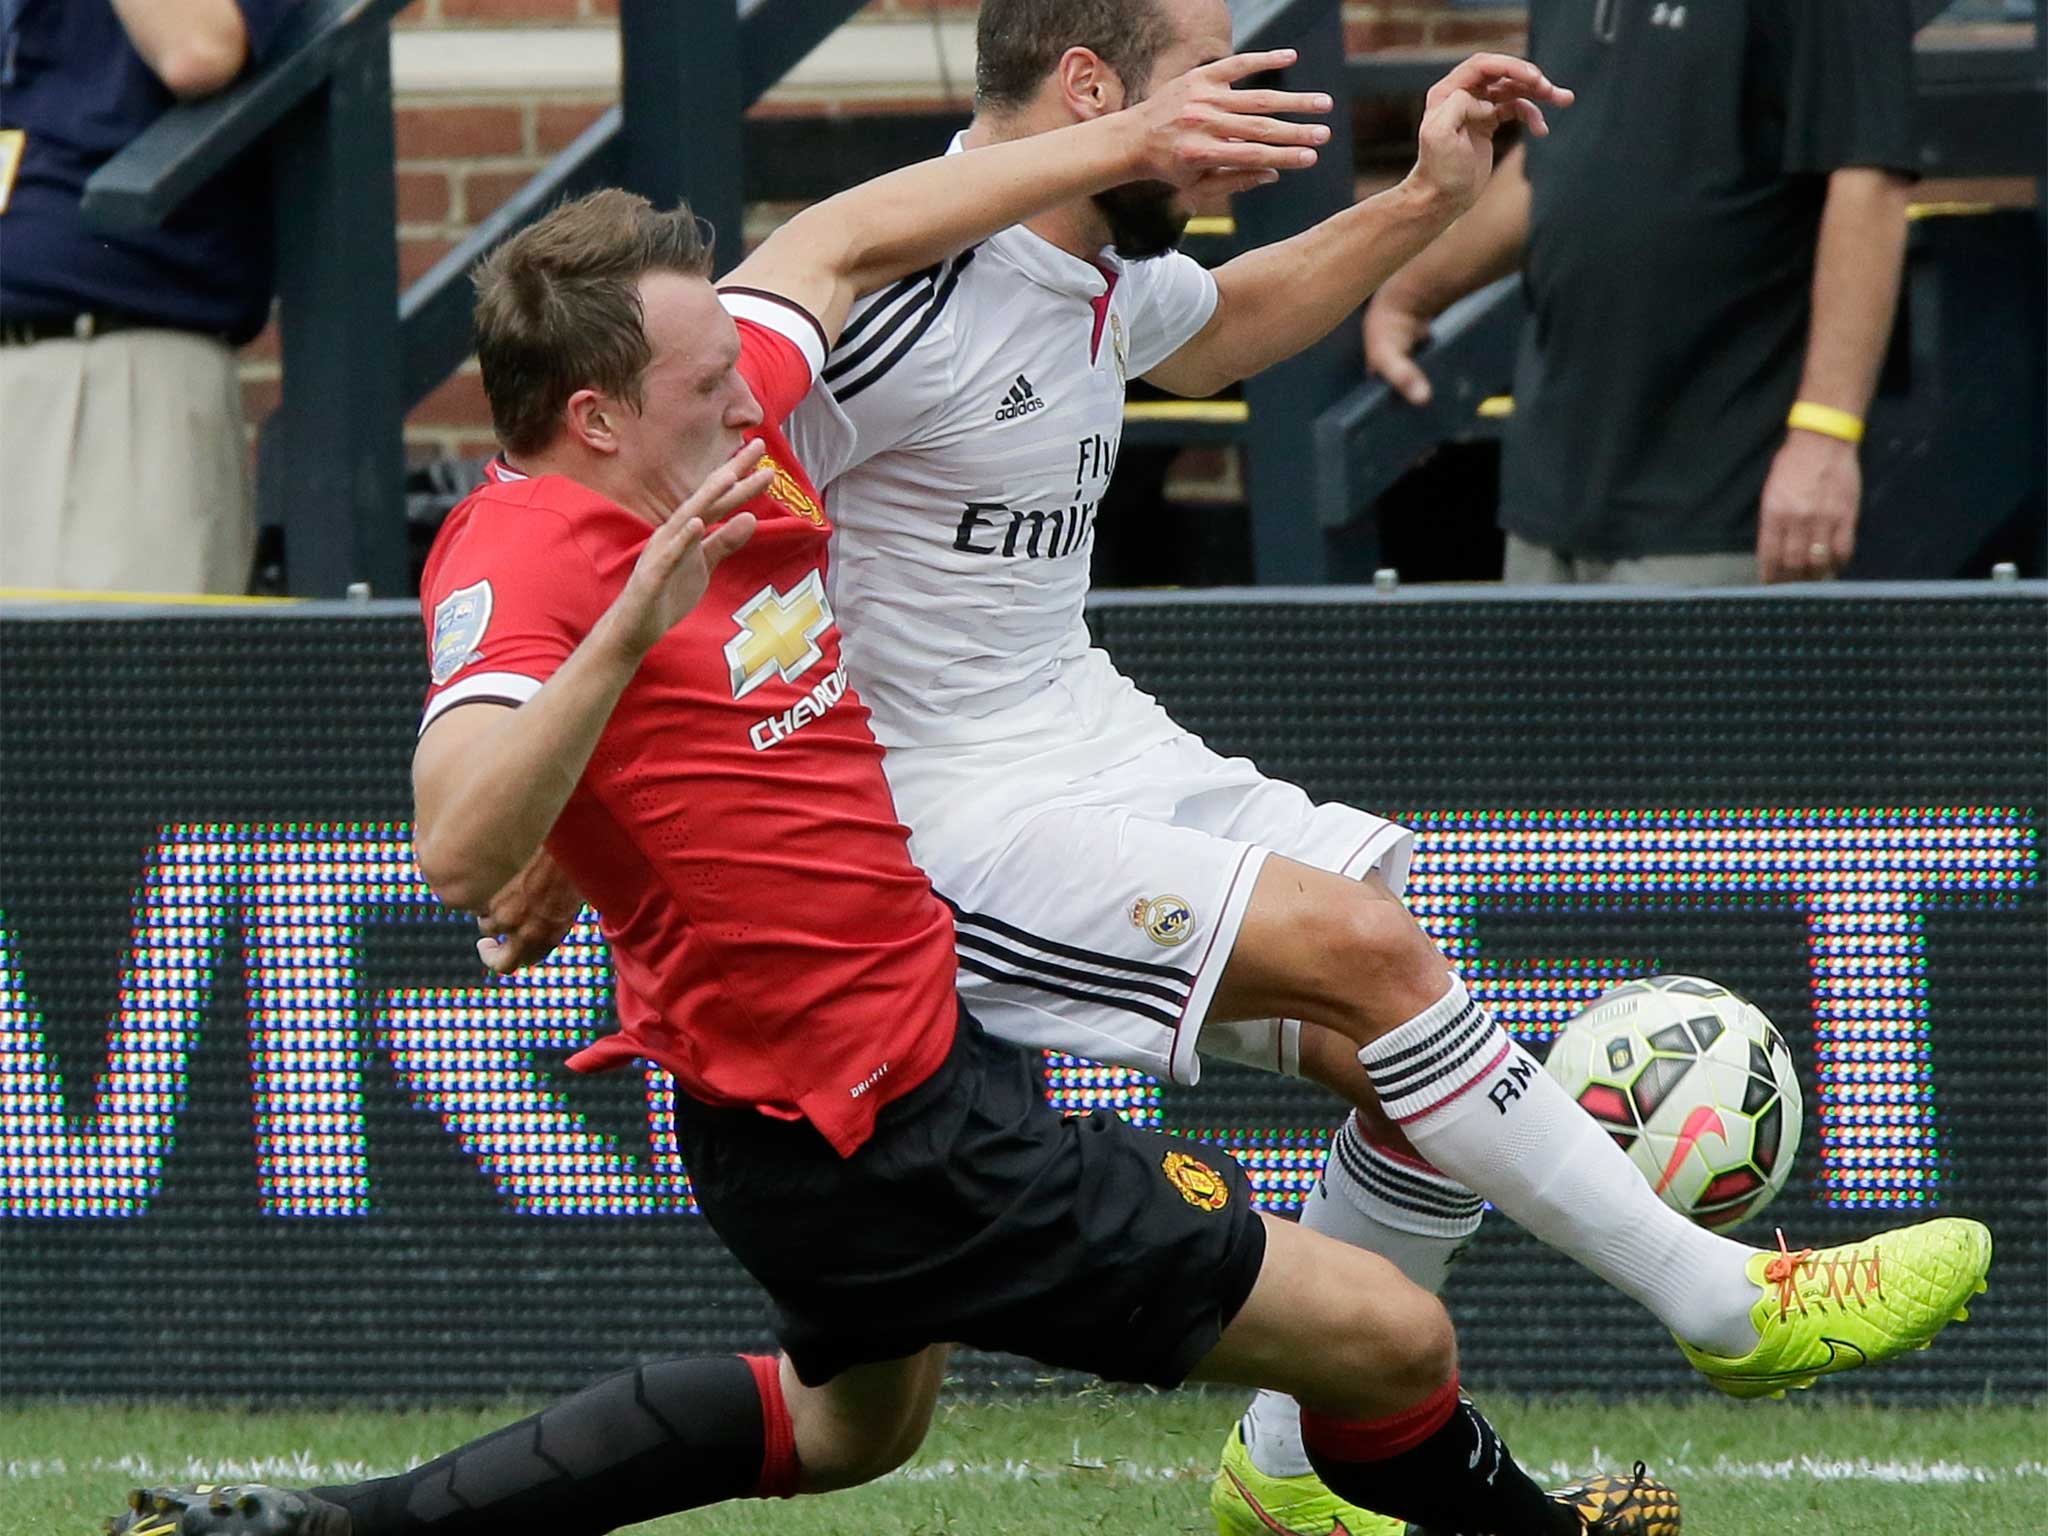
x: 663, y: 709
x: 1127, y: 895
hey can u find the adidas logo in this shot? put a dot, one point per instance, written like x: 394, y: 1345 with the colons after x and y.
x: 1022, y: 400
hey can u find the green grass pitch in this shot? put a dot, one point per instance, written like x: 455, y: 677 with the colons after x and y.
x: 1107, y: 1463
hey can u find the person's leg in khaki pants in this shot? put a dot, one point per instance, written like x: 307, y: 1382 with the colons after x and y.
x: 1533, y: 565
x: 124, y: 465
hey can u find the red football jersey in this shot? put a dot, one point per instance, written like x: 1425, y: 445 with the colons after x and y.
x: 775, y: 945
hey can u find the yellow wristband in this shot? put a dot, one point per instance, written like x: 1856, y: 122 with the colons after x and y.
x: 1826, y: 420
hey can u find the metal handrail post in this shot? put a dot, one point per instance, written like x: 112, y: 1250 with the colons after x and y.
x: 341, y: 419
x: 683, y: 107
x: 1288, y: 542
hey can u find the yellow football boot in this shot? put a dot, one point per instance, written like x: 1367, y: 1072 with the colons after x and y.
x: 1837, y: 1308
x: 1246, y: 1502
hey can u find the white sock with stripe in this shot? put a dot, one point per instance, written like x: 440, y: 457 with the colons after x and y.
x: 1484, y: 1111
x: 1404, y: 1211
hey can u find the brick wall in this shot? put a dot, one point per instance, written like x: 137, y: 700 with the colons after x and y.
x: 463, y: 152
x: 1431, y: 24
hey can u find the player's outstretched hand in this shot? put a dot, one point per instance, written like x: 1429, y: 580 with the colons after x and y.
x: 1466, y: 109
x: 528, y: 919
x: 675, y: 567
x: 1200, y: 128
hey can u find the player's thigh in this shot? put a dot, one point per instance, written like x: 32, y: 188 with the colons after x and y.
x: 1340, y: 951
x: 1335, y: 1326
x: 864, y: 1422
x: 1323, y: 935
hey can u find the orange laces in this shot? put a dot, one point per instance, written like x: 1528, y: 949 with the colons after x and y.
x: 1850, y: 1276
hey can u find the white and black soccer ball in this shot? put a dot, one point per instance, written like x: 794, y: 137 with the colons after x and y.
x: 1695, y: 1084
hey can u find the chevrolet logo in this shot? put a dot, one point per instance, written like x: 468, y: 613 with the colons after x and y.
x: 778, y: 634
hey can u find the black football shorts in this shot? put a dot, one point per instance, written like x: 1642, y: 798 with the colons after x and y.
x: 979, y: 1215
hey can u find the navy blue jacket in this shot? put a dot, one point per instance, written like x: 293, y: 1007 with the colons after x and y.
x: 73, y: 83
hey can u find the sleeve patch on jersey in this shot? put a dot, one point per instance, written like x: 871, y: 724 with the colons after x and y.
x: 460, y: 620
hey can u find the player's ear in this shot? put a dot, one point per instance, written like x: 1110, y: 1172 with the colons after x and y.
x: 588, y: 417
x: 1087, y: 86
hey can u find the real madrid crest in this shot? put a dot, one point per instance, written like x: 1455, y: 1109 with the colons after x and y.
x: 1116, y: 343
x: 1167, y: 920
x: 1199, y: 1184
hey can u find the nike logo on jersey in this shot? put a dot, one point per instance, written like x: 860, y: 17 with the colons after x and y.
x: 1022, y: 400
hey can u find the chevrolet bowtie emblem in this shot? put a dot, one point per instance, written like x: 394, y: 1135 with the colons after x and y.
x: 778, y: 634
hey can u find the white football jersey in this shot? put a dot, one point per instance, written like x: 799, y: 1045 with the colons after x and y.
x: 963, y: 431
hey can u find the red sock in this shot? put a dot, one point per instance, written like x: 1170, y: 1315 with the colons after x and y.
x: 1379, y: 1439
x: 780, y: 1469
x: 1438, y: 1465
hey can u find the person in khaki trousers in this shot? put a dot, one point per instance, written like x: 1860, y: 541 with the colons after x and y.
x: 122, y: 459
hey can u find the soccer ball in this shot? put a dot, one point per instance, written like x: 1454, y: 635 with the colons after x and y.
x: 1695, y: 1085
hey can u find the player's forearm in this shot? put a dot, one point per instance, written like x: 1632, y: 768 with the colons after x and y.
x: 485, y: 801
x: 196, y: 47
x: 1857, y: 269
x: 872, y: 234
x: 1482, y: 247
x: 1274, y: 301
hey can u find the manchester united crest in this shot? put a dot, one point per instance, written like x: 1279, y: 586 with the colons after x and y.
x: 1167, y: 920
x: 1199, y: 1184
x: 788, y: 493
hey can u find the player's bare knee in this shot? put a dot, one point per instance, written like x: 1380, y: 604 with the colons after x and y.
x: 1428, y: 1356
x: 1394, y: 1352
x: 1389, y: 969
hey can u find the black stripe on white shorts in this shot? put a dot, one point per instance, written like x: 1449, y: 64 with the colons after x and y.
x: 1000, y: 951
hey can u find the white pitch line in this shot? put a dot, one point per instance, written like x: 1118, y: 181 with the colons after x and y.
x: 302, y: 1468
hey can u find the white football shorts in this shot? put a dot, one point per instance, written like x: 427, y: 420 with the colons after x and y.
x: 1095, y: 911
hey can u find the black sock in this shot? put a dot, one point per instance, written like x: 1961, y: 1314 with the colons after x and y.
x: 1455, y: 1480
x: 671, y: 1436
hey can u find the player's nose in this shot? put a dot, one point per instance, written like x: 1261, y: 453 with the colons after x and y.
x: 745, y: 412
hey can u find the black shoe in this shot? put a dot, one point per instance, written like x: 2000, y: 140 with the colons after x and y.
x: 1611, y: 1505
x: 227, y: 1509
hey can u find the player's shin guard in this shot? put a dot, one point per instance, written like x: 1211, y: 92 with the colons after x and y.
x: 1438, y: 1465
x: 671, y: 1436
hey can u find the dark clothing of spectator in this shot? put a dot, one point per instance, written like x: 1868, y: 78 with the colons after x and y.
x: 1670, y: 260
x: 75, y: 86
x: 120, y: 400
